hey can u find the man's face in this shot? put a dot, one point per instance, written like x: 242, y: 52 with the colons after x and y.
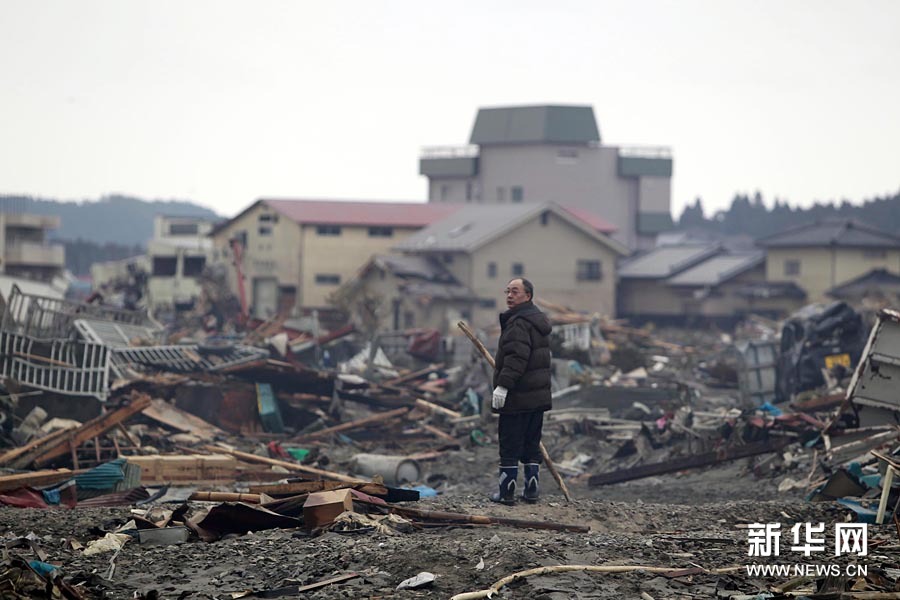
x: 515, y: 293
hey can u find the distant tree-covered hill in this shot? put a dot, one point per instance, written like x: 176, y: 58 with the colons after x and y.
x: 750, y: 216
x: 112, y: 219
x: 111, y: 228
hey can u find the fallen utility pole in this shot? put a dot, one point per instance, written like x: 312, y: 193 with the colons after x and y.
x: 547, y: 460
x: 704, y: 459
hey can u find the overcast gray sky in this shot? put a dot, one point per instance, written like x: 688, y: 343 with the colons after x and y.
x: 225, y: 101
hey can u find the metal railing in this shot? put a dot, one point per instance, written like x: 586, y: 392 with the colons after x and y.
x: 449, y: 151
x: 51, y: 318
x: 645, y: 151
x: 63, y: 366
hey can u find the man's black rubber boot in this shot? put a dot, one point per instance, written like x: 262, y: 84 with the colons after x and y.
x: 531, y: 490
x: 507, y: 487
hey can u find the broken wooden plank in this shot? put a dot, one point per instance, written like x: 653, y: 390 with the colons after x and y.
x: 252, y: 458
x: 93, y: 428
x: 376, y: 418
x: 34, y: 479
x: 689, y: 462
x: 180, y: 420
x: 305, y: 487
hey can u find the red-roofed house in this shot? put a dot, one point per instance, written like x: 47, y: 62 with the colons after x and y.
x: 296, y: 252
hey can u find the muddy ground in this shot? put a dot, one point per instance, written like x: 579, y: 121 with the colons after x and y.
x: 677, y: 521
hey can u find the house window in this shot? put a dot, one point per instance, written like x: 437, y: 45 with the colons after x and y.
x: 501, y: 194
x: 492, y: 270
x: 588, y: 270
x: 193, y: 265
x: 518, y: 269
x: 265, y: 231
x: 328, y: 230
x: 516, y: 194
x: 385, y: 232
x: 875, y: 254
x: 164, y: 266
x: 792, y: 267
x: 487, y: 303
x: 328, y: 279
x: 183, y: 229
x: 266, y: 218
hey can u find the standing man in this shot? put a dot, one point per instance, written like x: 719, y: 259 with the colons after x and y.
x: 521, y: 390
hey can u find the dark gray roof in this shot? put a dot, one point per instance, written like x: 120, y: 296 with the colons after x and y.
x: 472, y: 226
x: 665, y: 261
x: 535, y: 125
x: 423, y: 277
x: 876, y: 280
x: 831, y: 232
x: 717, y: 269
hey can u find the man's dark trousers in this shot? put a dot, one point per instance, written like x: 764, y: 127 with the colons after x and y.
x: 520, y: 438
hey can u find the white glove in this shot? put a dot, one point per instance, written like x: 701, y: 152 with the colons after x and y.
x: 499, y: 397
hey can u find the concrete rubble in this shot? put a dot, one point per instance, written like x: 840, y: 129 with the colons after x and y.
x: 221, y: 458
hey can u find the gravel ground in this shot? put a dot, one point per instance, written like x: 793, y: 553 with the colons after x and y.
x: 675, y: 521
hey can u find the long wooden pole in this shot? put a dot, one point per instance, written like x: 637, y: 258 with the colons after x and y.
x: 547, y: 460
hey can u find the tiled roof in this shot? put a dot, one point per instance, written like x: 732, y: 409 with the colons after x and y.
x: 831, y: 232
x: 591, y: 219
x: 338, y: 212
x: 717, y: 269
x: 664, y: 261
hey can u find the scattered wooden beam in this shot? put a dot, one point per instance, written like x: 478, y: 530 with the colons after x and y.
x: 252, y: 458
x: 376, y: 418
x: 696, y: 461
x: 439, y: 515
x: 34, y: 478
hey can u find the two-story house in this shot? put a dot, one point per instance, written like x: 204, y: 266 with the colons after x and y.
x: 822, y: 255
x: 551, y: 153
x: 295, y: 253
x: 567, y: 254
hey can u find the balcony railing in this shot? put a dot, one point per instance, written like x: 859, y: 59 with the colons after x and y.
x: 449, y: 152
x: 30, y: 221
x: 35, y: 253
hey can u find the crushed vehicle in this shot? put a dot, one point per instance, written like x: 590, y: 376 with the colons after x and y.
x: 815, y: 340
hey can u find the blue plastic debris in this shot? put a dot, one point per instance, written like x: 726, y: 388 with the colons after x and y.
x: 41, y: 568
x: 863, y: 514
x: 425, y: 491
x: 771, y: 409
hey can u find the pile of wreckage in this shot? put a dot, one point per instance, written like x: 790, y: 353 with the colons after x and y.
x: 261, y: 415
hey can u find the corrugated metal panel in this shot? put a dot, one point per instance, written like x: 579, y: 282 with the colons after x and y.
x: 757, y: 373
x: 102, y: 477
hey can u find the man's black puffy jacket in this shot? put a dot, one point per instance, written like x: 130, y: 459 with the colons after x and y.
x: 523, y: 359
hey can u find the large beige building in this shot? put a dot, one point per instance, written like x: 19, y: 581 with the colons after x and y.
x: 536, y: 154
x: 569, y: 256
x: 295, y: 253
x: 824, y: 254
x: 24, y: 249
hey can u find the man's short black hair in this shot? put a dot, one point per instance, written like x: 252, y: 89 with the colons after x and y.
x: 529, y: 287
